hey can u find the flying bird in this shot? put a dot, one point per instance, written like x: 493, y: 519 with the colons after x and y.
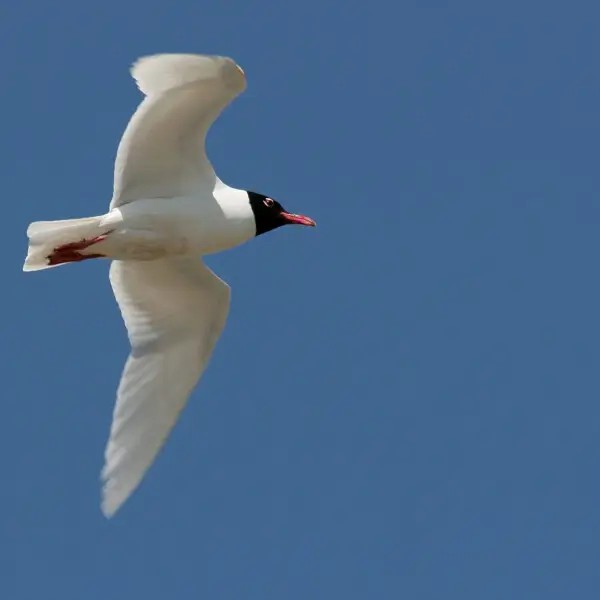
x: 168, y: 209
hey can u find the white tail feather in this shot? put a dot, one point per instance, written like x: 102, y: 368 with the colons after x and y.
x: 45, y: 236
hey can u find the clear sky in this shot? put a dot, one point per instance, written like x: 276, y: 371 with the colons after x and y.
x: 405, y: 401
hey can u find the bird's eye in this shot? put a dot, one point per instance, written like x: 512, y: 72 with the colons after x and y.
x: 268, y: 202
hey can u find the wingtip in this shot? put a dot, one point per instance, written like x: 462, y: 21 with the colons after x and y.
x: 108, y: 514
x: 108, y: 507
x: 112, y: 498
x: 156, y: 73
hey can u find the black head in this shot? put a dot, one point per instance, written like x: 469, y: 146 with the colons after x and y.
x: 269, y: 214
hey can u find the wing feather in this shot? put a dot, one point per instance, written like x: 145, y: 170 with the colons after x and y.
x: 162, y: 153
x: 174, y: 311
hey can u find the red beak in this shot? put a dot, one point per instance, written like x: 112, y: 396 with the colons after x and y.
x: 298, y: 219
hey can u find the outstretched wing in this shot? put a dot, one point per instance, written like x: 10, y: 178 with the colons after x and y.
x: 174, y: 311
x: 162, y: 152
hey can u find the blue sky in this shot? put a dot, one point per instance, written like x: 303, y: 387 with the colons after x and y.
x: 419, y: 418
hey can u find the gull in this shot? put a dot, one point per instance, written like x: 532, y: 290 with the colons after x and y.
x: 168, y: 210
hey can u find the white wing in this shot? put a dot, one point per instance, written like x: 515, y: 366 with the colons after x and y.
x: 162, y: 152
x: 174, y: 311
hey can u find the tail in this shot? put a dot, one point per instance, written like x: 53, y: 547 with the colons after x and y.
x: 53, y: 243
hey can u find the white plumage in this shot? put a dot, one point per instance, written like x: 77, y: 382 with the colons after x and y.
x: 162, y: 152
x: 168, y: 209
x: 174, y: 311
x: 165, y: 207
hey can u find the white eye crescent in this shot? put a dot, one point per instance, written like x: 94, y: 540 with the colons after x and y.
x: 268, y: 202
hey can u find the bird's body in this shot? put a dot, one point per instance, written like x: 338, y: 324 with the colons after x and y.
x: 168, y: 209
x: 151, y: 228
